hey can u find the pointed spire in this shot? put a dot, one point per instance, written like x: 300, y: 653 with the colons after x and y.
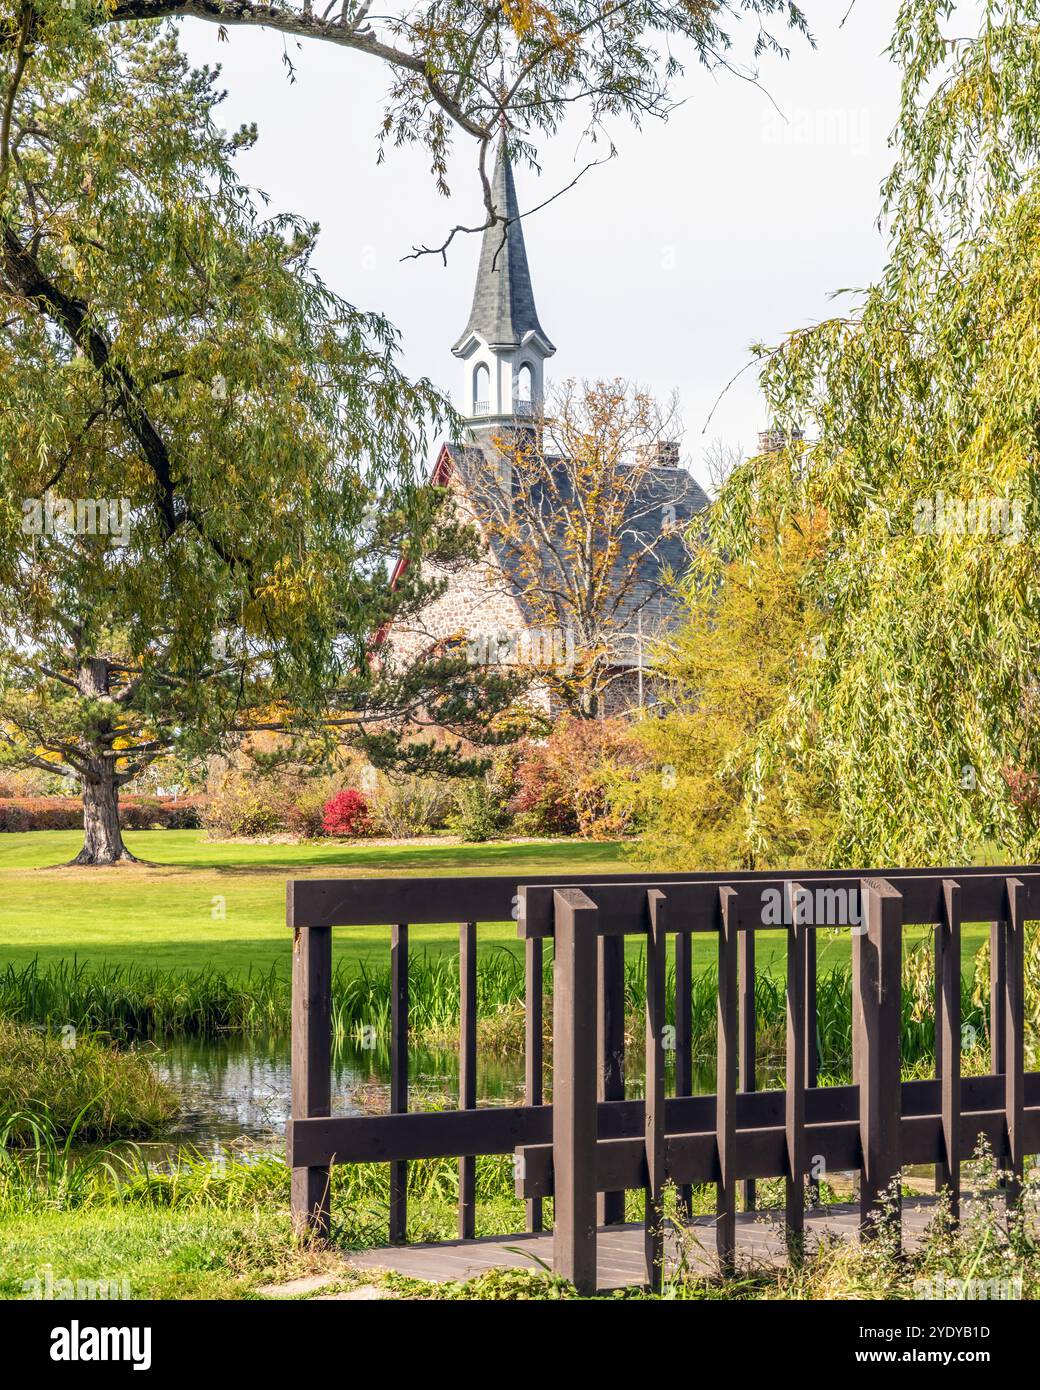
x: 503, y: 311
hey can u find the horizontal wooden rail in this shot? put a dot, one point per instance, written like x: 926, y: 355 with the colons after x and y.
x: 621, y: 905
x: 370, y: 902
x: 763, y: 1153
x: 498, y: 1129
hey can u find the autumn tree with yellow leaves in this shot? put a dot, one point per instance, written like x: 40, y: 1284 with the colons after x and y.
x: 747, y: 633
x: 585, y: 514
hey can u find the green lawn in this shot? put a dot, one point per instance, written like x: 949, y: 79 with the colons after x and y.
x: 167, y: 914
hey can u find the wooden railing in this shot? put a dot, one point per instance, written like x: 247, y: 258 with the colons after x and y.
x: 592, y: 1145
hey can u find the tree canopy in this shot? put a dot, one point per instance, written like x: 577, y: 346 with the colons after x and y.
x: 723, y: 673
x: 208, y: 458
x: 919, y: 405
x: 464, y: 65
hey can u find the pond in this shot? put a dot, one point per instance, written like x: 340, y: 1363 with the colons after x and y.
x: 239, y: 1088
x: 235, y: 1091
x: 235, y: 1088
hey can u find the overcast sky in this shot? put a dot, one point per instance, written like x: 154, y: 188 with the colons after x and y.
x: 728, y: 224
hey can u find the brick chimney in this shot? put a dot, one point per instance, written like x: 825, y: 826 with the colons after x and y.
x: 662, y: 453
x: 769, y: 441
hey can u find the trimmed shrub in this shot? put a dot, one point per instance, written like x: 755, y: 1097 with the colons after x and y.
x: 480, y: 812
x: 346, y: 814
x: 241, y: 806
x: 41, y: 813
x: 66, y: 813
x: 14, y: 816
x: 408, y: 806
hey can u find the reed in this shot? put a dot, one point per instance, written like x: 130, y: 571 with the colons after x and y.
x: 78, y: 1084
x: 129, y: 1002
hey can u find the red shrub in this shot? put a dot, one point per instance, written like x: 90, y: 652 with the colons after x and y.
x: 347, y: 814
x: 564, y: 783
x: 1024, y: 788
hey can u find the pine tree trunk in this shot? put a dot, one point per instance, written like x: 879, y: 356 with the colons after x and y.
x: 102, y: 837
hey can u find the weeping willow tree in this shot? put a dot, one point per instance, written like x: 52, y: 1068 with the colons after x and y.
x: 920, y: 407
x: 207, y: 459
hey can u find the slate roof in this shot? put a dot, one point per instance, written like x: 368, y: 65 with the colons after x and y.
x: 652, y: 595
x: 503, y: 311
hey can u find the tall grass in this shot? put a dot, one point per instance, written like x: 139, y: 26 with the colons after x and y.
x: 39, y: 1169
x: 833, y: 1011
x: 130, y: 1002
x: 51, y: 1171
x: 80, y: 1083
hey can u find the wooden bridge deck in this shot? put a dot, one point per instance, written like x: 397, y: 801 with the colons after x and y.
x: 760, y: 1241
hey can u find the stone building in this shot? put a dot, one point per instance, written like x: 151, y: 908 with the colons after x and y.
x: 502, y: 351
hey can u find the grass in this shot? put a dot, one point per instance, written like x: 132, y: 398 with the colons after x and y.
x: 106, y: 1220
x: 222, y: 905
x: 200, y: 903
x: 221, y: 1230
x: 197, y: 944
x: 130, y: 1003
x: 151, y: 1253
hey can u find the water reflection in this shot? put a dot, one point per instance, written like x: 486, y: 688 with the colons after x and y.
x: 238, y: 1089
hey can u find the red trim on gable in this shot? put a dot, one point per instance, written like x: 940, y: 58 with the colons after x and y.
x: 442, y: 469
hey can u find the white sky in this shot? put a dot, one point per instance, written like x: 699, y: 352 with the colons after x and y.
x: 726, y: 225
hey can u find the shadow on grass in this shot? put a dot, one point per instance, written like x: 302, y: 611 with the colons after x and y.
x: 543, y: 856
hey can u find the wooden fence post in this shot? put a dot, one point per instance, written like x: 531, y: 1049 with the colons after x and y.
x: 311, y: 1066
x: 937, y: 958
x: 746, y: 950
x: 878, y: 1021
x: 467, y: 1071
x: 533, y: 1049
x: 794, y: 1098
x: 1014, y: 1037
x: 398, y: 1072
x: 684, y: 1037
x: 998, y: 979
x: 574, y: 1089
x: 949, y: 1173
x: 726, y: 1083
x: 656, y: 975
x: 610, y: 1033
x: 812, y: 1049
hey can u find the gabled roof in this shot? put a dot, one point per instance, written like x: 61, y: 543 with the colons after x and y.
x: 503, y: 311
x: 665, y: 549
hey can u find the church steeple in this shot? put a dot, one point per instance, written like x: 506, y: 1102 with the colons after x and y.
x: 503, y: 347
